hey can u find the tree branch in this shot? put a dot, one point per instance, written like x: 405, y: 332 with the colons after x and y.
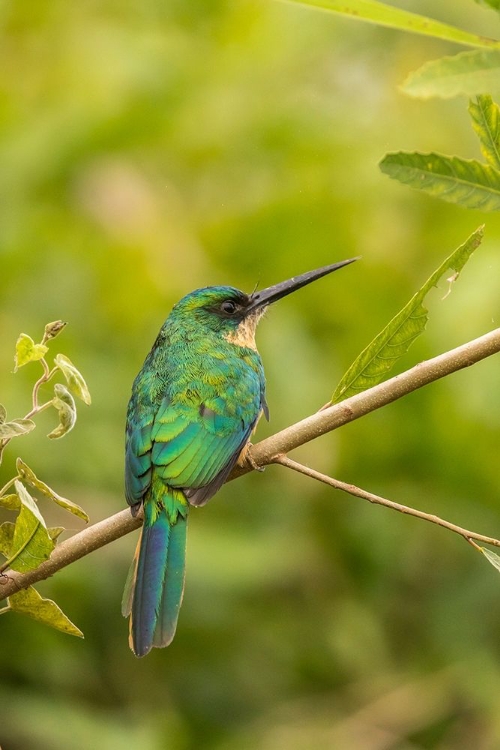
x: 351, y: 489
x: 270, y: 449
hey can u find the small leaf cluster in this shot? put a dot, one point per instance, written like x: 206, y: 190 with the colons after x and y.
x: 28, y: 541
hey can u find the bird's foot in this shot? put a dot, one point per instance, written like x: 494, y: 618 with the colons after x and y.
x: 246, y: 459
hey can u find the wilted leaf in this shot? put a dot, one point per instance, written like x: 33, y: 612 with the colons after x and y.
x: 6, y: 537
x: 29, y: 602
x: 28, y: 351
x: 64, y: 402
x: 374, y: 362
x: 3, y: 413
x: 31, y: 544
x: 29, y: 476
x: 492, y: 557
x: 11, y: 502
x: 468, y: 73
x: 54, y: 329
x: 466, y: 182
x: 16, y: 427
x: 74, y: 378
x: 485, y: 116
x: 387, y: 15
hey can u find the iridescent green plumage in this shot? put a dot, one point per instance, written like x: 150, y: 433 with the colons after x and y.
x: 192, y: 411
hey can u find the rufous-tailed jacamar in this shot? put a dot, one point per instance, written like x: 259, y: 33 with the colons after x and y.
x: 192, y: 411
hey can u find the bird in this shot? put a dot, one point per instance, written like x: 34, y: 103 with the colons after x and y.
x: 194, y: 406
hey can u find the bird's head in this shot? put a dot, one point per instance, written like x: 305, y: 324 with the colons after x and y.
x: 229, y: 312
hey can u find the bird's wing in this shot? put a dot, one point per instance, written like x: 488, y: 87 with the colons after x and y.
x: 190, y: 447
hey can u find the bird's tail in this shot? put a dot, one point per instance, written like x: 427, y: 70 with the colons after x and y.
x: 155, y: 583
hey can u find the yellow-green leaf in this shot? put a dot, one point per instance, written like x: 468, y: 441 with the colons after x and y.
x: 3, y: 413
x: 31, y: 544
x: 55, y: 532
x: 16, y: 427
x: 29, y: 476
x: 469, y: 73
x: 492, y: 557
x: 374, y: 362
x: 74, y: 378
x: 29, y: 602
x: 28, y: 351
x: 11, y: 502
x: 64, y: 402
x: 485, y: 116
x: 6, y: 537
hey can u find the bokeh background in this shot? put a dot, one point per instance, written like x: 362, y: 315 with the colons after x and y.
x: 149, y: 148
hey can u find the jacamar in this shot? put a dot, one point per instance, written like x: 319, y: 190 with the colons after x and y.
x: 193, y: 408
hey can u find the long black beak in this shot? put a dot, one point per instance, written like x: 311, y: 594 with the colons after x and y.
x: 272, y: 293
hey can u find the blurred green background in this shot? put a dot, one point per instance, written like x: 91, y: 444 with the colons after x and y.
x: 149, y: 148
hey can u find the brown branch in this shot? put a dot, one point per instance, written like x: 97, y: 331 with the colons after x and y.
x: 270, y: 449
x: 351, y: 489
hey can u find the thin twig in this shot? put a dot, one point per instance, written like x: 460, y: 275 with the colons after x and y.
x: 351, y: 489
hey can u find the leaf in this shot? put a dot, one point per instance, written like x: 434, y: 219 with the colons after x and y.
x: 64, y: 402
x: 468, y: 183
x: 16, y: 427
x: 29, y: 476
x: 11, y: 502
x: 55, y: 532
x: 374, y: 362
x: 53, y: 329
x: 494, y: 4
x: 485, y: 116
x: 492, y: 557
x: 29, y: 602
x: 469, y: 73
x: 6, y: 537
x: 74, y: 378
x: 386, y: 15
x: 31, y: 544
x: 3, y: 413
x: 28, y: 351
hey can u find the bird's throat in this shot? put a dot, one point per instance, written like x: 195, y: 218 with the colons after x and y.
x: 244, y: 334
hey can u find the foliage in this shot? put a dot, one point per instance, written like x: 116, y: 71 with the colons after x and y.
x: 28, y: 541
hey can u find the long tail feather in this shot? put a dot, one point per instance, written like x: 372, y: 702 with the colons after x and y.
x: 155, y: 584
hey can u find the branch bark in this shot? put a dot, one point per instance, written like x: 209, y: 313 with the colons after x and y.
x: 270, y: 449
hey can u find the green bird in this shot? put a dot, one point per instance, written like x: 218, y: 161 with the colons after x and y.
x: 194, y: 406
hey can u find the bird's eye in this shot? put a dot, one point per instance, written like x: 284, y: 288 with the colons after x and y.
x: 229, y: 307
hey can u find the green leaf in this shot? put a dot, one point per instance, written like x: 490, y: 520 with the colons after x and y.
x: 494, y: 4
x: 74, y: 378
x: 374, y: 362
x: 31, y: 544
x: 485, y: 116
x: 11, y: 502
x: 16, y: 427
x: 468, y: 73
x: 29, y: 602
x: 28, y: 351
x: 6, y: 537
x: 29, y: 476
x: 468, y: 183
x: 55, y: 532
x: 64, y: 402
x: 3, y: 413
x: 492, y: 557
x: 387, y: 15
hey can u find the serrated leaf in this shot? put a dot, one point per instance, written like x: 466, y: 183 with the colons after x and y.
x: 485, y: 116
x: 64, y: 402
x: 492, y: 557
x: 3, y: 413
x: 74, y: 378
x: 374, y: 362
x: 29, y: 476
x: 11, y: 502
x: 29, y: 602
x: 16, y: 427
x: 467, y: 183
x: 28, y: 351
x: 387, y: 15
x: 6, y: 537
x: 469, y: 73
x: 31, y: 544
